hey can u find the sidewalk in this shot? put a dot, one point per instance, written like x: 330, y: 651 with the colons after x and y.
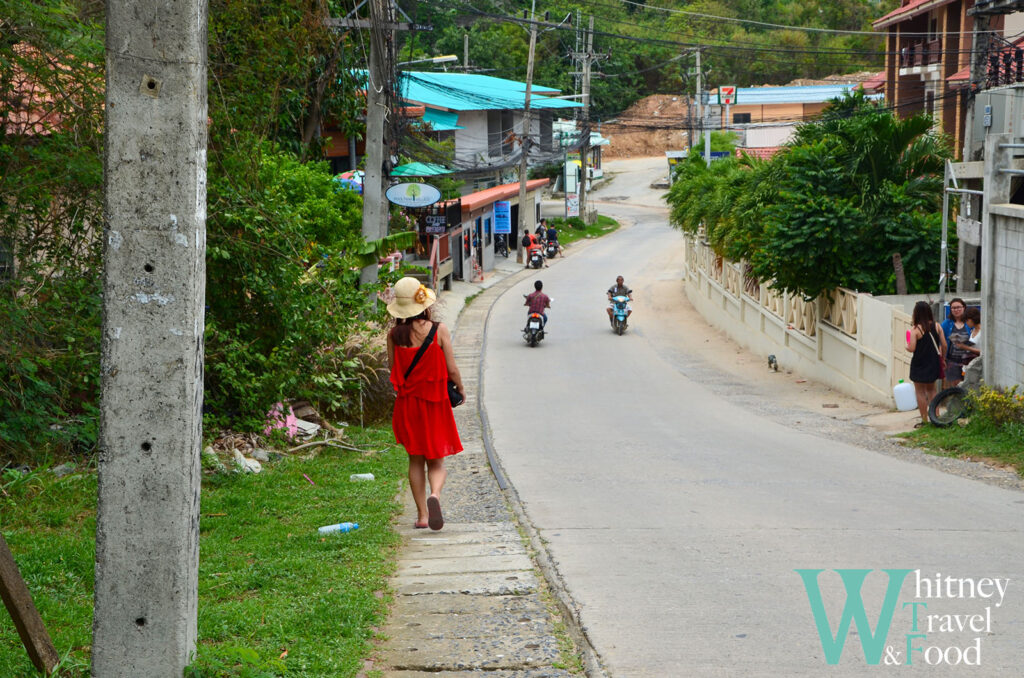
x: 471, y: 598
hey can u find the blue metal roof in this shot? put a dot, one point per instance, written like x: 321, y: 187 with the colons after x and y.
x: 474, y: 92
x: 806, y: 94
x: 441, y: 121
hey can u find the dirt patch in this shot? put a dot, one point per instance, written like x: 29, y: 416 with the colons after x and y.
x: 649, y: 127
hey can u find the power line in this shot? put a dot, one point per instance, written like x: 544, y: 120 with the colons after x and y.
x: 809, y: 29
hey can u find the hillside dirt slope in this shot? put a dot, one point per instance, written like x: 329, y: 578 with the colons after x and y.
x: 657, y: 123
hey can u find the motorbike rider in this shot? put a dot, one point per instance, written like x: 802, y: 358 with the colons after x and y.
x: 619, y: 289
x: 538, y: 301
x: 552, y: 236
x: 534, y: 246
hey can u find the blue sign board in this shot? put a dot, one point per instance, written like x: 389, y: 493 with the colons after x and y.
x: 502, y: 216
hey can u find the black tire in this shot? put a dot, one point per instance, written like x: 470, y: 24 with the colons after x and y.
x: 533, y: 339
x: 620, y: 327
x: 948, y: 406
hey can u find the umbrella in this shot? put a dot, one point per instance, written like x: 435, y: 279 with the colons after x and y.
x: 352, y: 180
x: 420, y: 169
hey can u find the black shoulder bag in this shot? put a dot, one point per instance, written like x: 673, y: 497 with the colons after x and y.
x: 454, y: 397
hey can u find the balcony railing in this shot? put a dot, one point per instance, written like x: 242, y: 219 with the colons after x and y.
x: 921, y: 53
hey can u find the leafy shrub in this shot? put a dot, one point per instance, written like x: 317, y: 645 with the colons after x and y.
x: 571, y: 222
x: 1002, y: 407
x: 549, y: 171
x: 282, y: 287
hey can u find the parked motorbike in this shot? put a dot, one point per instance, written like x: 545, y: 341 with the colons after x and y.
x: 536, y: 259
x: 619, y: 314
x: 533, y: 333
x: 501, y: 245
x: 551, y: 250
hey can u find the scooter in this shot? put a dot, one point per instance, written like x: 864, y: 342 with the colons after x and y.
x: 533, y: 333
x: 536, y: 259
x: 619, y: 314
x: 552, y: 249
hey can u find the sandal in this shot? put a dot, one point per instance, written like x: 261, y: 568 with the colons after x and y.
x: 435, y: 520
x: 920, y: 424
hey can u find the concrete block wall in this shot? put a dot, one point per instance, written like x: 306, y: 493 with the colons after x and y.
x: 1005, y: 320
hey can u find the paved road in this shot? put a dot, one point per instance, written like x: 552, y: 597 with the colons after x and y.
x: 677, y: 516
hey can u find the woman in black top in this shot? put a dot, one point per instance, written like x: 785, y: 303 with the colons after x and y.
x: 928, y: 343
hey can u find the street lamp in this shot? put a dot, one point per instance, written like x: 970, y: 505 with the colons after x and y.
x: 434, y: 60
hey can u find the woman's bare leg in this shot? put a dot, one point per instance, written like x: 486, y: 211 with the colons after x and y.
x: 921, y: 391
x: 418, y: 486
x: 436, y: 473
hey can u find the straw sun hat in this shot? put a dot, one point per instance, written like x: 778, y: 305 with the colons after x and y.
x: 410, y: 298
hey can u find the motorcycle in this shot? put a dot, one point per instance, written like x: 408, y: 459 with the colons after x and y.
x: 619, y: 314
x: 536, y: 259
x: 501, y: 245
x: 552, y: 249
x: 533, y: 333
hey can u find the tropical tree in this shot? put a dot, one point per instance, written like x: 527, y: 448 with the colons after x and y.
x: 853, y: 189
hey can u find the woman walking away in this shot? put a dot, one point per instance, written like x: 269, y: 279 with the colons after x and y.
x: 928, y: 344
x: 421, y: 360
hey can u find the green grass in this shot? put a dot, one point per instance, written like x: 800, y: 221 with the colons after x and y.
x: 603, y: 226
x: 978, y: 440
x: 268, y: 583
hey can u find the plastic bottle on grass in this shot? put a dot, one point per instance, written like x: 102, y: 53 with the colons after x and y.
x: 360, y: 476
x: 340, y: 527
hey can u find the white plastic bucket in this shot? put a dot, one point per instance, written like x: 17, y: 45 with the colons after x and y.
x: 906, y: 398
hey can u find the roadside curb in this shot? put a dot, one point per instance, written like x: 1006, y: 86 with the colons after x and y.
x: 483, y: 594
x: 567, y: 606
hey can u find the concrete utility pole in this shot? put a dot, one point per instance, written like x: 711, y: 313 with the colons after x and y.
x: 147, y: 531
x: 523, y: 167
x: 700, y: 112
x: 585, y: 133
x: 375, y: 209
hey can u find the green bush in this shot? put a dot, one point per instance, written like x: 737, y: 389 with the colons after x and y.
x: 1002, y: 407
x: 282, y: 288
x: 571, y: 222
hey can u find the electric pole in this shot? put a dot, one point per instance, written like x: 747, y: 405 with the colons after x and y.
x: 154, y: 289
x: 699, y: 98
x: 525, y: 139
x: 374, y: 203
x: 585, y: 132
x: 702, y: 112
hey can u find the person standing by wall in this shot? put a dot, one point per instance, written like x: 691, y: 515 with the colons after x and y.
x: 422, y: 361
x: 957, y: 332
x: 928, y: 344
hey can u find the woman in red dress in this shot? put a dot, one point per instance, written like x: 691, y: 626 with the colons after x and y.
x: 423, y: 421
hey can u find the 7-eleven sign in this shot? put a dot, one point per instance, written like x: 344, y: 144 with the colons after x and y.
x: 726, y: 95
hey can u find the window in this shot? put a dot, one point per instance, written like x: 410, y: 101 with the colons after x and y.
x: 741, y: 118
x: 6, y: 259
x: 487, y: 231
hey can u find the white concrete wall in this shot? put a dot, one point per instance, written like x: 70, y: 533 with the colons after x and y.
x: 763, y: 137
x: 471, y: 141
x: 859, y: 365
x: 1005, y: 321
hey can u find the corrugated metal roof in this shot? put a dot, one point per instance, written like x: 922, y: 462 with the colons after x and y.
x: 489, y: 195
x: 908, y: 11
x: 441, y: 121
x: 806, y: 94
x: 474, y: 92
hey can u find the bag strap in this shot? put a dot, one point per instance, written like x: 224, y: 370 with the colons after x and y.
x: 423, y: 347
x: 931, y: 335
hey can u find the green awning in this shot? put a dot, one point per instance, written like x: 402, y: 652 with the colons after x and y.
x: 442, y: 121
x: 420, y: 169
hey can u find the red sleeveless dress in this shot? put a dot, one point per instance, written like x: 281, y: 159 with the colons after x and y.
x: 423, y: 421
